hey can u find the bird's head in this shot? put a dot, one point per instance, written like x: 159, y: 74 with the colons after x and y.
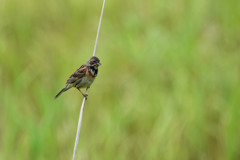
x: 93, y: 62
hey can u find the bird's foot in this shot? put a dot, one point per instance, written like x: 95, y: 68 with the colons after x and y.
x: 85, y: 96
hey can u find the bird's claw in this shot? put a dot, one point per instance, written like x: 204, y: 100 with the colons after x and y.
x: 85, y: 96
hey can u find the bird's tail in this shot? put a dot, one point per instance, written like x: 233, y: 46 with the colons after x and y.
x: 60, y: 92
x: 68, y: 86
x: 63, y: 90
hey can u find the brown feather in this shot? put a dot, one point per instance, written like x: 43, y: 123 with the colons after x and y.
x: 90, y: 74
x: 79, y: 73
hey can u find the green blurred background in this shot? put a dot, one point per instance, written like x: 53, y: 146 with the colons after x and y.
x: 168, y: 89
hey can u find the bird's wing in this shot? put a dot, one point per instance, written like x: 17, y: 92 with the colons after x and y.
x: 78, y: 74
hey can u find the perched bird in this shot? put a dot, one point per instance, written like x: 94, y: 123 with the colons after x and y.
x: 83, y: 77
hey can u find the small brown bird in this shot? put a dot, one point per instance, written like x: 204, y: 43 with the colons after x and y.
x: 83, y: 77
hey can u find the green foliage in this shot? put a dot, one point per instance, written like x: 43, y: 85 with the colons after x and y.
x: 169, y: 86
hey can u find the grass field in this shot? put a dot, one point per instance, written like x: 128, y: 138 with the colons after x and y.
x: 168, y: 87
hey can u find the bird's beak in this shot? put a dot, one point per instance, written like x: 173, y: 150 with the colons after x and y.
x: 99, y: 64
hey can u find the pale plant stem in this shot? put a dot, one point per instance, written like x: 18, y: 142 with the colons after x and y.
x: 99, y: 26
x: 84, y: 99
x: 79, y: 127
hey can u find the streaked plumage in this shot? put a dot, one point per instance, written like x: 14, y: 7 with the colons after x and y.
x: 83, y: 77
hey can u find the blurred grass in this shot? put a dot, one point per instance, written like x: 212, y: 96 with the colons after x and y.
x: 168, y: 88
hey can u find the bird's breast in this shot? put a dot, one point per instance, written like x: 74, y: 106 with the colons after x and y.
x: 92, y: 72
x: 85, y: 82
